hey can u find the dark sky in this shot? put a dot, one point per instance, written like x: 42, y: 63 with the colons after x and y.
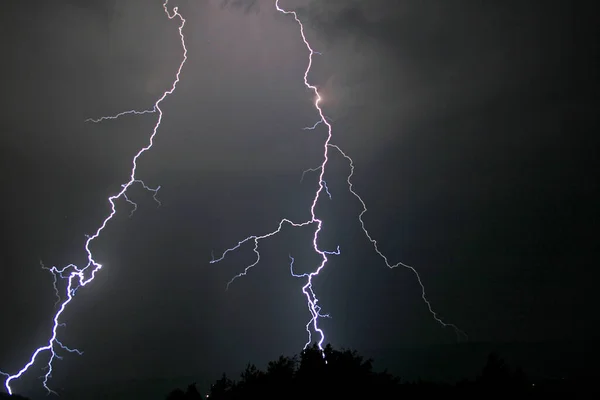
x: 473, y: 128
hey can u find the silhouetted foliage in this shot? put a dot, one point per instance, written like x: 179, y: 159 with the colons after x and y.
x: 334, y: 374
x: 314, y: 374
x: 495, y: 372
x: 176, y: 394
x: 191, y: 393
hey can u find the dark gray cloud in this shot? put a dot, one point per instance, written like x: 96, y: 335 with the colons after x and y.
x: 246, y: 5
x: 405, y: 63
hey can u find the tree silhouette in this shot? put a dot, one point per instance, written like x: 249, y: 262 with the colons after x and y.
x: 496, y: 376
x: 222, y: 388
x: 334, y: 374
x: 176, y: 394
x: 191, y: 393
x: 314, y: 374
x: 495, y: 372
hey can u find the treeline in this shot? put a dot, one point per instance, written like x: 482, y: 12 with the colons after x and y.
x: 336, y: 374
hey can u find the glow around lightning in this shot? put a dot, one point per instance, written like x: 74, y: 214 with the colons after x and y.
x: 312, y: 301
x: 75, y: 276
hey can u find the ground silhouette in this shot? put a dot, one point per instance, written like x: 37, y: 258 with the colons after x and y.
x: 5, y: 396
x: 334, y: 374
x: 344, y: 373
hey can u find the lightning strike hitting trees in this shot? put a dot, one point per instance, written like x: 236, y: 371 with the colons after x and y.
x: 76, y: 277
x: 312, y: 301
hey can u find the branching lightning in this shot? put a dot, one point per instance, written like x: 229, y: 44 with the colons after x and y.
x: 121, y: 114
x: 385, y: 259
x: 312, y: 327
x: 307, y: 289
x: 75, y: 276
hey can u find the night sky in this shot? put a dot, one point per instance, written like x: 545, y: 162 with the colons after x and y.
x: 474, y: 132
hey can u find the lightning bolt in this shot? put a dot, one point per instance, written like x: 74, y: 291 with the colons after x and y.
x: 307, y: 289
x: 312, y: 301
x: 459, y: 332
x: 76, y: 277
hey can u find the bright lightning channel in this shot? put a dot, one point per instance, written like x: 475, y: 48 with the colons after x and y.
x: 75, y: 276
x: 312, y: 300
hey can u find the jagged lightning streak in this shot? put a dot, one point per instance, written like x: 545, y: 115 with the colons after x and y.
x: 312, y: 299
x: 54, y: 283
x: 308, y: 292
x: 307, y: 289
x: 458, y: 332
x: 134, y: 204
x: 78, y: 277
x: 130, y: 112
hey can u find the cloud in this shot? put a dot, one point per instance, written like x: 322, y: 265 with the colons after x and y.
x: 407, y: 56
x: 247, y: 6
